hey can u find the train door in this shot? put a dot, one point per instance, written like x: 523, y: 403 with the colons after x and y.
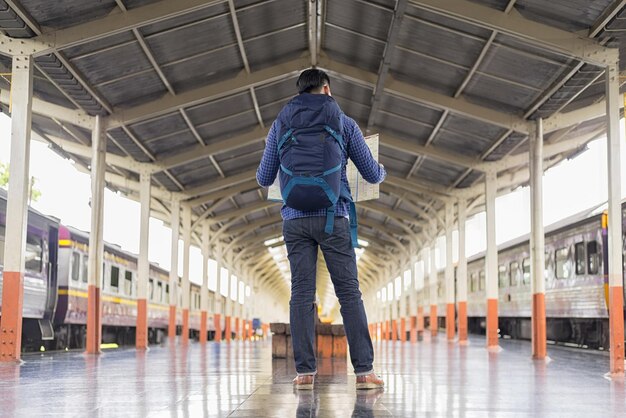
x: 45, y: 324
x: 53, y: 255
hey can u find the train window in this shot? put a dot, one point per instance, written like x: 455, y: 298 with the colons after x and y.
x: 159, y: 291
x: 151, y: 289
x: 85, y: 269
x: 34, y: 253
x: 115, y: 277
x: 562, y: 263
x: 579, y: 254
x: 593, y: 258
x: 526, y: 271
x: 128, y: 282
x: 481, y: 282
x: 473, y: 279
x: 502, y: 276
x: 513, y: 273
x: 167, y: 293
x: 75, y: 266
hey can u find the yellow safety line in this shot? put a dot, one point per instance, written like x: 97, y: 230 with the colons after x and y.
x: 114, y: 299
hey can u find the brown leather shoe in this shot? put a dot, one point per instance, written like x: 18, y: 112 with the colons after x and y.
x: 369, y: 381
x: 304, y: 382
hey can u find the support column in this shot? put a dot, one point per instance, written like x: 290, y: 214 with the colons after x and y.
x: 421, y: 298
x: 17, y: 210
x: 217, y: 319
x: 175, y: 225
x: 204, y: 291
x: 185, y: 284
x: 227, y: 312
x: 616, y: 278
x: 537, y: 247
x: 402, y: 313
x: 461, y: 273
x: 449, y: 274
x: 143, y: 267
x: 434, y: 326
x: 96, y: 243
x: 491, y: 261
x: 413, y: 302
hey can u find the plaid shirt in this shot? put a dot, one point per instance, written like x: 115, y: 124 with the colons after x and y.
x: 356, y: 150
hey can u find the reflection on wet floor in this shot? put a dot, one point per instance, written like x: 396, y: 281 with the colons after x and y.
x: 432, y: 378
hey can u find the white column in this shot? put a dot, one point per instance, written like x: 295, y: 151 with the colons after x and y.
x: 186, y: 256
x: 616, y: 286
x: 143, y: 267
x: 175, y: 225
x: 96, y: 244
x: 461, y: 272
x: 434, y: 326
x: 17, y: 209
x: 449, y: 273
x: 204, y: 296
x: 491, y: 262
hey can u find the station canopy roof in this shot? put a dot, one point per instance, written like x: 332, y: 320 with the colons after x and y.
x: 189, y: 89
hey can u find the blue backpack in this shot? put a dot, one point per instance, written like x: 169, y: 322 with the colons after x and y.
x: 310, y: 150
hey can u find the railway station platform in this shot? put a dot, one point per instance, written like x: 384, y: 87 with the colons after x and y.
x: 431, y: 378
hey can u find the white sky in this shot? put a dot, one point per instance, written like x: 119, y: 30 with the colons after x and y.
x: 569, y: 188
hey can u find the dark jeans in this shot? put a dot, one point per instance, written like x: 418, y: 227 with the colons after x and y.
x: 302, y: 237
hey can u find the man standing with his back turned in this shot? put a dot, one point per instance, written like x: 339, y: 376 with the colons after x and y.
x: 307, y: 147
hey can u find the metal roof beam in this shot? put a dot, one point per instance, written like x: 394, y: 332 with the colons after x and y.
x: 54, y: 111
x: 385, y: 63
x: 513, y: 24
x: 246, y: 210
x: 429, y: 98
x: 220, y: 183
x: 213, y: 91
x: 224, y: 193
x: 117, y: 22
x: 200, y: 152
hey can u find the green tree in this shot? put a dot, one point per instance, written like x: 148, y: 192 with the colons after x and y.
x: 35, y: 193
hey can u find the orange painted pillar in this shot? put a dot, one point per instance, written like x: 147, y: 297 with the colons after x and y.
x: 450, y: 322
x: 218, y: 327
x: 203, y: 327
x: 237, y: 333
x: 434, y: 326
x: 420, y: 320
x: 383, y: 326
x: 12, y: 303
x: 184, y: 337
x: 227, y: 330
x: 141, y: 335
x: 251, y: 330
x: 413, y: 331
x: 403, y: 329
x: 94, y: 319
x: 462, y: 321
x: 171, y: 327
x: 394, y: 330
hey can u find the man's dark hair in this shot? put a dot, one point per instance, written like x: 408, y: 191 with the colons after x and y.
x: 312, y: 80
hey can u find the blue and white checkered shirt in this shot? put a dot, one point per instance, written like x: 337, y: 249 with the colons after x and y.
x: 355, y: 149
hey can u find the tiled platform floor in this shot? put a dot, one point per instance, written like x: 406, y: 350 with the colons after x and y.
x: 432, y: 378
